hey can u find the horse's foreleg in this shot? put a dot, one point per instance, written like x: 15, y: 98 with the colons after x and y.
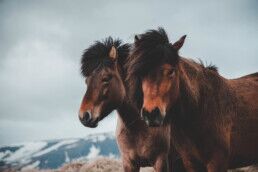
x: 161, y: 164
x: 193, y: 165
x: 177, y: 166
x: 128, y: 166
x: 218, y: 162
x: 175, y: 162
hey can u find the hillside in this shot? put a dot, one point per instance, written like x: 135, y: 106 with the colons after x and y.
x: 53, y: 154
x: 95, y: 153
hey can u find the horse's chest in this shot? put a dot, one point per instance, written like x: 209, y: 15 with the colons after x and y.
x: 143, y: 148
x: 194, y: 144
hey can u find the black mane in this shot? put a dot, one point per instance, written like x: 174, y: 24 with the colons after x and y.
x: 97, y: 55
x: 210, y: 66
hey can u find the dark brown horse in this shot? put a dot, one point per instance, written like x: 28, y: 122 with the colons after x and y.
x: 102, y: 65
x: 214, y: 121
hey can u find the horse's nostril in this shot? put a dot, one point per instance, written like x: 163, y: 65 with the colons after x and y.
x: 88, y: 121
x: 151, y: 115
x: 85, y: 117
x: 155, y: 112
x: 152, y: 118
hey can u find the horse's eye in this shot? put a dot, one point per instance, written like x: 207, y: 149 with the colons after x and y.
x: 106, y: 78
x: 170, y: 72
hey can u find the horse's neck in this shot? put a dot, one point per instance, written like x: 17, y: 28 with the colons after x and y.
x: 188, y: 81
x: 200, y: 90
x: 187, y: 105
x: 128, y: 115
x: 185, y: 112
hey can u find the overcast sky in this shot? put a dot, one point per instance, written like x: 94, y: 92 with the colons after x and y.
x: 41, y: 43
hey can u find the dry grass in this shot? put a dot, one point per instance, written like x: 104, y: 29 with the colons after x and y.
x: 99, y: 165
x: 108, y: 165
x: 112, y: 165
x: 246, y: 169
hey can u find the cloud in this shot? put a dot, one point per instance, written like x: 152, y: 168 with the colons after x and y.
x: 42, y: 42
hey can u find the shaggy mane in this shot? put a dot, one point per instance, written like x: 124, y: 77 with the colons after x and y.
x: 150, y: 50
x: 210, y: 66
x: 97, y: 55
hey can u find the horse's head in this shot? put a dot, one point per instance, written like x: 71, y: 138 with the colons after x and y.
x: 156, y: 64
x: 105, y: 88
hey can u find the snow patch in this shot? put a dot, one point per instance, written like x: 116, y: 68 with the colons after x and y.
x: 71, y: 146
x: 54, y: 147
x: 25, y: 151
x: 100, y: 137
x: 5, y: 154
x: 67, y: 158
x: 96, y: 138
x: 111, y: 155
x: 94, y: 152
x: 31, y: 166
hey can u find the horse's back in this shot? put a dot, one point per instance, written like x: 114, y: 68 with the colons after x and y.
x: 252, y: 76
x: 244, y: 136
x: 246, y: 90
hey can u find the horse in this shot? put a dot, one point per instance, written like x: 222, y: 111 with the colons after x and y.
x: 214, y: 120
x: 102, y: 65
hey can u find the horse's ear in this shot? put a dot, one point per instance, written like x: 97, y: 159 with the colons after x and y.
x: 136, y: 38
x: 113, y: 53
x: 178, y: 44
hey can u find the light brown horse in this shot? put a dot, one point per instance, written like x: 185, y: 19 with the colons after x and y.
x: 214, y: 120
x: 103, y: 67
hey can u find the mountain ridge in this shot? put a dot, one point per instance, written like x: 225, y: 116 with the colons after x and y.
x: 52, y: 154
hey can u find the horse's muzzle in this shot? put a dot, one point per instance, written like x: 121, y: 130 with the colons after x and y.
x: 153, y: 118
x: 87, y: 120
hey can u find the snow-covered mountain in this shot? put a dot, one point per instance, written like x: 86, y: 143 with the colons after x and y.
x: 54, y: 153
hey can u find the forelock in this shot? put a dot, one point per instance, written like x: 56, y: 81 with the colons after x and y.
x: 97, y: 55
x: 150, y: 50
